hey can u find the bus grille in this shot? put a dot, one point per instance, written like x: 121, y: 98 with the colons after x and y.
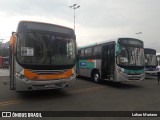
x: 135, y: 77
x: 44, y: 72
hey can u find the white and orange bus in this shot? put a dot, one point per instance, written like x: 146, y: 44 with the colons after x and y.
x: 42, y: 56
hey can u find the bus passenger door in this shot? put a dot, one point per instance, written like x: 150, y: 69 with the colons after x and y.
x: 108, y: 61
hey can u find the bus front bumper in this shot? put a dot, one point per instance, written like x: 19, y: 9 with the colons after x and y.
x: 125, y: 78
x: 29, y: 85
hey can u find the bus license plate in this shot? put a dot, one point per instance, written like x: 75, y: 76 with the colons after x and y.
x: 50, y: 86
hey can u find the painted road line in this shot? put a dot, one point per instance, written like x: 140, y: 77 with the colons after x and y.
x: 13, y: 102
x: 16, y: 101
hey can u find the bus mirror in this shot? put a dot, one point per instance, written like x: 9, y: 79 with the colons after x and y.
x: 13, y: 33
x: 118, y: 51
x: 17, y: 35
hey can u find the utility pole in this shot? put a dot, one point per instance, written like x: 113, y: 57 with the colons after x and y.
x: 139, y: 33
x: 74, y: 7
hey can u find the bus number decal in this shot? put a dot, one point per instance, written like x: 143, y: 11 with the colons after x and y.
x: 27, y: 51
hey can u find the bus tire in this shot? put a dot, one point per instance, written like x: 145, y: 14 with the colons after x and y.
x: 96, y: 76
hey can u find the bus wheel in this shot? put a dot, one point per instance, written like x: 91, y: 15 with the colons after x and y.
x: 96, y: 77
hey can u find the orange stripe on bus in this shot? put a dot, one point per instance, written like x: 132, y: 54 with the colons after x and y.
x: 33, y: 76
x: 90, y: 60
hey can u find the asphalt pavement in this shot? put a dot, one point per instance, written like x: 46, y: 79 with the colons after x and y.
x: 85, y: 95
x: 4, y: 72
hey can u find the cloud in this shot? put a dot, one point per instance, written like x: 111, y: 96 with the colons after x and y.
x: 118, y: 18
x: 96, y: 20
x: 45, y: 8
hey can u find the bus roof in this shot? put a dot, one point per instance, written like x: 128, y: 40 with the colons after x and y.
x: 106, y: 41
x: 95, y: 44
x: 44, y: 23
x: 34, y: 25
x: 149, y: 51
x: 80, y: 47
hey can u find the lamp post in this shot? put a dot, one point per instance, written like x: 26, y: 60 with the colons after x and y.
x: 74, y: 7
x: 139, y: 34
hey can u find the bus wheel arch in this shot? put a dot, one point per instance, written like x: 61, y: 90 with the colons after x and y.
x: 95, y: 75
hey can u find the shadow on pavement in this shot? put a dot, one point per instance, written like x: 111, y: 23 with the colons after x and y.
x: 43, y: 94
x: 121, y: 85
x: 118, y: 85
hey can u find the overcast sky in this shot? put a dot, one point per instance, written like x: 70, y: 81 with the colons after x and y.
x: 96, y: 20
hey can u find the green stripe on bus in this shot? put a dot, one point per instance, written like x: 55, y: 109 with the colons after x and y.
x: 88, y: 64
x: 133, y: 71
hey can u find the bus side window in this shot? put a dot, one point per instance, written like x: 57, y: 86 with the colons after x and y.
x: 88, y: 53
x: 82, y: 53
x: 97, y: 52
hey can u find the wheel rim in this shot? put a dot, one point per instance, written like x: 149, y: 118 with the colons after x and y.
x: 96, y: 77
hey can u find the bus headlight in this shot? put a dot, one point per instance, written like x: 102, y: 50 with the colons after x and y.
x: 158, y: 69
x: 74, y: 70
x: 120, y: 69
x: 19, y: 75
x: 73, y: 73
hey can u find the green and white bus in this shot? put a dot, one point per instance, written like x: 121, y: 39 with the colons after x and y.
x: 118, y: 60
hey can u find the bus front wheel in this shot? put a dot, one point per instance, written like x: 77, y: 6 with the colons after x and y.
x: 96, y: 77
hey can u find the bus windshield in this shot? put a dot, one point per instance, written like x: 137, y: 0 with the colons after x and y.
x: 45, y: 49
x: 130, y: 56
x: 150, y: 60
